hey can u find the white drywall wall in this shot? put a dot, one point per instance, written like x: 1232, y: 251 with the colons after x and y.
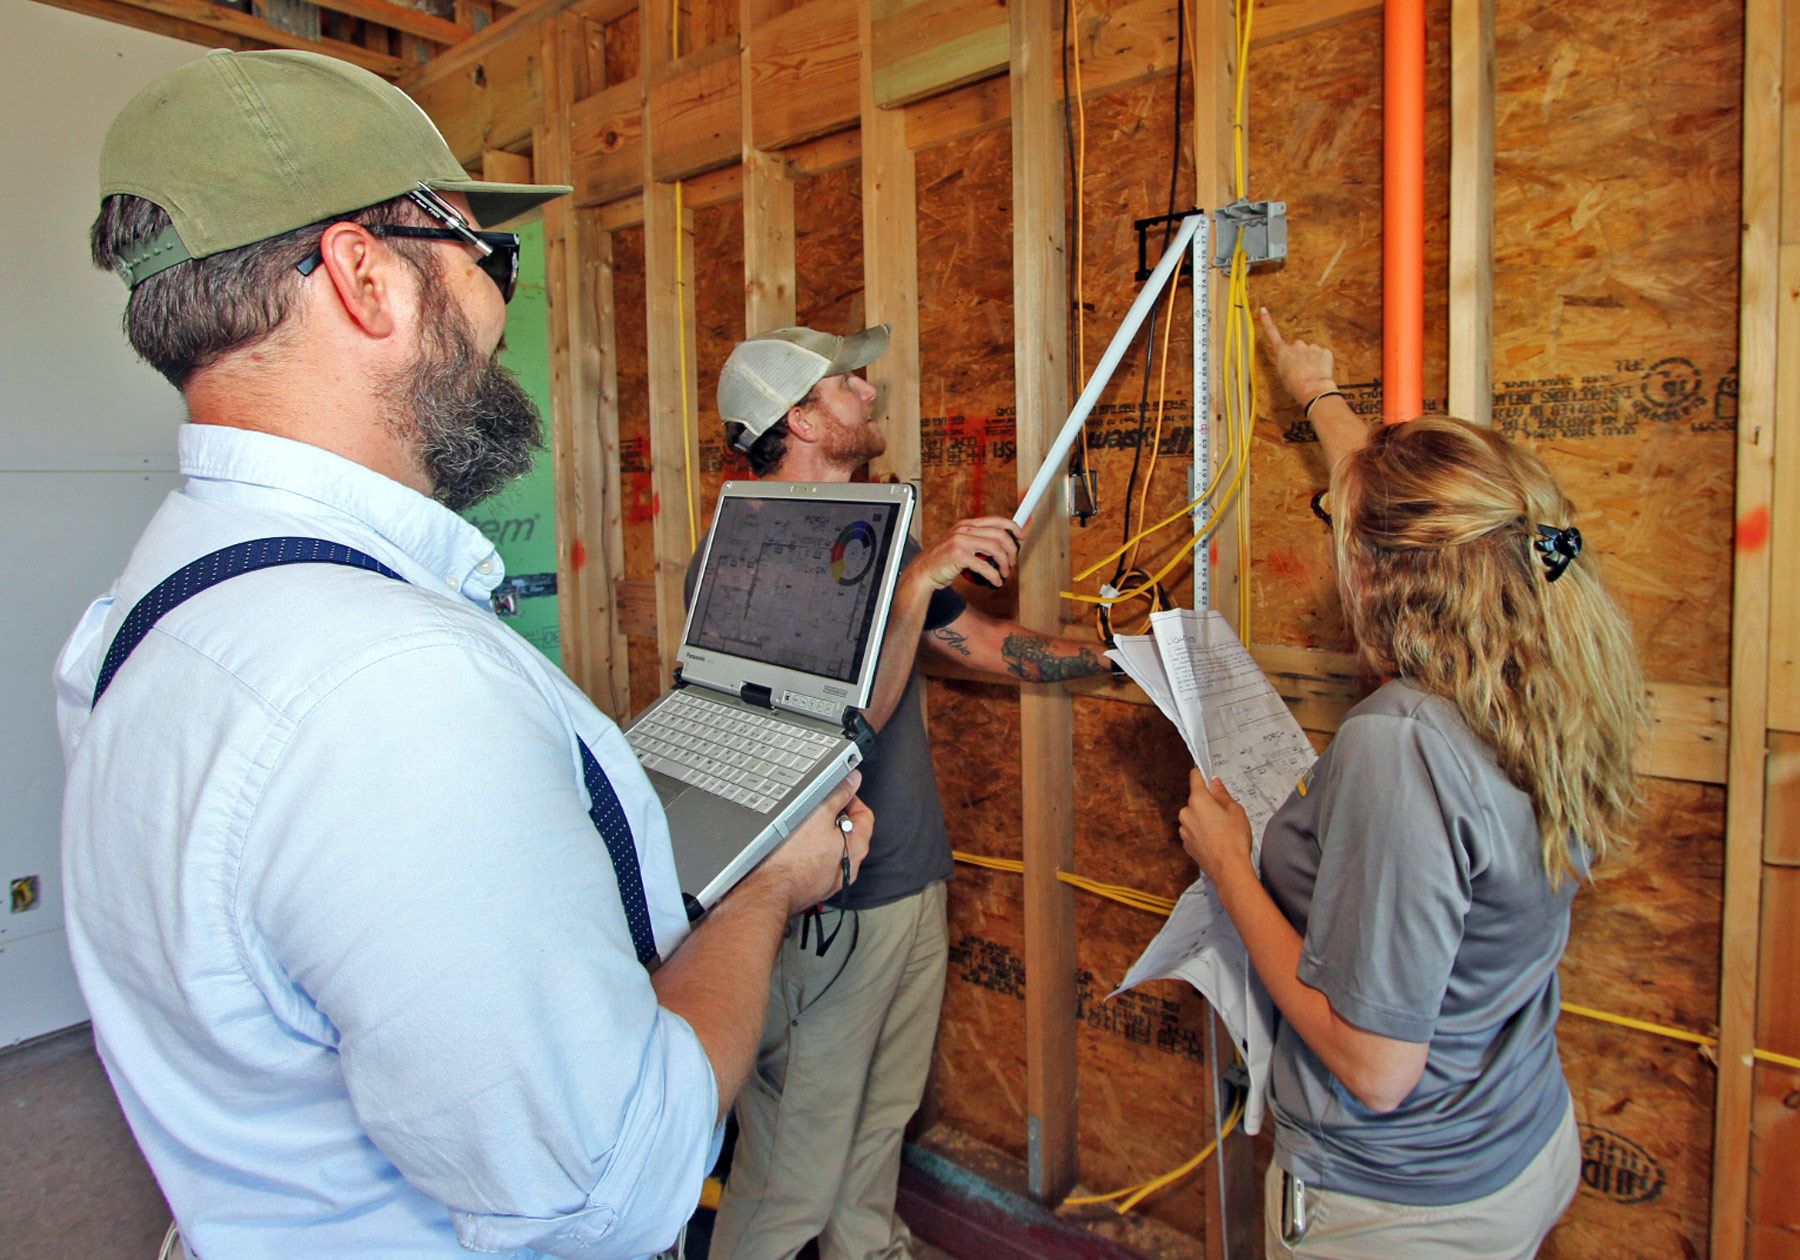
x: 87, y: 442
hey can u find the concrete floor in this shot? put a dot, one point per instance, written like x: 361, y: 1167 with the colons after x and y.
x: 74, y: 1184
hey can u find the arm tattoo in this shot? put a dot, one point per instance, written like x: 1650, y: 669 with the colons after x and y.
x: 951, y: 639
x: 1034, y: 658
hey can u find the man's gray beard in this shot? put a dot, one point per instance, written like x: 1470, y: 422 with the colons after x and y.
x: 475, y: 426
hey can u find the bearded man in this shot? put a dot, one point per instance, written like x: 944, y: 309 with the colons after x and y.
x: 853, y: 1013
x: 375, y: 914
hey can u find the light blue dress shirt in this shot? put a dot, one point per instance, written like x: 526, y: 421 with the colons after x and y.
x: 355, y: 954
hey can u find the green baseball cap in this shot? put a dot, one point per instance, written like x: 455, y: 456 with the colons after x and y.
x: 240, y: 146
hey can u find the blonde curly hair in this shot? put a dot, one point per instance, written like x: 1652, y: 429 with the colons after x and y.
x: 1435, y: 521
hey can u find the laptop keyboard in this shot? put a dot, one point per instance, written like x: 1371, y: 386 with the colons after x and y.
x: 744, y: 757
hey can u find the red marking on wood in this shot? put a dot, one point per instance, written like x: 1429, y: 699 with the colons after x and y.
x: 639, y: 498
x: 1212, y: 553
x: 1285, y: 563
x: 578, y: 555
x: 1753, y: 529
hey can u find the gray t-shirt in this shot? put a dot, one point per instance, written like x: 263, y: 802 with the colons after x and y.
x: 910, y: 849
x: 1410, y: 864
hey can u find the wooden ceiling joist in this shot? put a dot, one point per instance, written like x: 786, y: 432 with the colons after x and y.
x: 216, y: 26
x: 410, y: 21
x: 156, y: 23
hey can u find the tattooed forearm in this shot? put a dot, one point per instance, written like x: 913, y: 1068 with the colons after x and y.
x: 952, y: 640
x: 1035, y: 658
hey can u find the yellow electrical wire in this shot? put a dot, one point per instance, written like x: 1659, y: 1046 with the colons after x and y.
x: 1138, y: 899
x: 1134, y: 1195
x: 1238, y: 388
x: 690, y: 433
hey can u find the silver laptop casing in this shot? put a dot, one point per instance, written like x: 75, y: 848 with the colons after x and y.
x: 717, y: 842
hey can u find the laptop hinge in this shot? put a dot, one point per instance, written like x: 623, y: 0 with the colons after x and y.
x: 858, y: 731
x: 750, y: 693
x: 680, y: 682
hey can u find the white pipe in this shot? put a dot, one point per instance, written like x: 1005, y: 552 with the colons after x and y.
x: 1109, y: 362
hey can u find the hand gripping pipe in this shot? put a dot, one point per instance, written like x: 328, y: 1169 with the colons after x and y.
x: 1115, y: 350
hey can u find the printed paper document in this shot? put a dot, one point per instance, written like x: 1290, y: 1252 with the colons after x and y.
x: 1239, y: 730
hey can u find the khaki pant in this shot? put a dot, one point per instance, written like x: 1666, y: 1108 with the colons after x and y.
x: 1509, y: 1224
x: 845, y: 1051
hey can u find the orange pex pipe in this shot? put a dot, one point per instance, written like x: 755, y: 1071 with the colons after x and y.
x: 1403, y: 211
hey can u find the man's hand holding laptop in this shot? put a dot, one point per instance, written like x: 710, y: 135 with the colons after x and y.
x: 808, y: 867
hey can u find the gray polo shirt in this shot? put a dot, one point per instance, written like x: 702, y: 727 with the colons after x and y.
x: 910, y: 849
x: 1410, y: 864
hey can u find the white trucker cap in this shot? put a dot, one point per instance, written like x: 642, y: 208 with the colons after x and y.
x: 773, y: 371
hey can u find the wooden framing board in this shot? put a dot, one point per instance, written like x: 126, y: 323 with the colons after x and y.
x: 606, y: 134
x: 919, y: 48
x: 768, y: 185
x: 1773, y: 1226
x: 1775, y: 1152
x: 1688, y: 724
x: 1472, y: 210
x: 486, y: 93
x: 1215, y: 65
x: 611, y: 676
x: 253, y: 31
x: 1784, y: 627
x: 804, y: 65
x: 156, y: 23
x: 411, y: 21
x: 768, y: 243
x: 670, y: 338
x: 1040, y: 382
x: 891, y: 273
x: 1781, y: 846
x: 1759, y: 312
x: 585, y: 462
x: 693, y: 114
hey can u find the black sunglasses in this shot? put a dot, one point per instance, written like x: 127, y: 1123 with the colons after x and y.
x: 500, y: 256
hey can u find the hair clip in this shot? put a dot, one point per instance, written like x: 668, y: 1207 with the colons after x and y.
x: 1556, y: 548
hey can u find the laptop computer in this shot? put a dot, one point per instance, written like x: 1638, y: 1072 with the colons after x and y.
x: 777, y: 661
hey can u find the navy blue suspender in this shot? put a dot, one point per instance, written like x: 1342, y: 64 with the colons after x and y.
x: 266, y: 553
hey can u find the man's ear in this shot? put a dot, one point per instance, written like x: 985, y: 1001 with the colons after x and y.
x: 362, y: 275
x: 802, y: 423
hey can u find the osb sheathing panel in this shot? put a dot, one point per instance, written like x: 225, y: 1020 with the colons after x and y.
x: 1644, y: 1105
x: 634, y: 448
x: 828, y: 271
x: 1616, y: 247
x: 1616, y: 186
x: 1646, y: 941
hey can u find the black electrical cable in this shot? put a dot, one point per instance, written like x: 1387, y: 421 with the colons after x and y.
x: 1137, y: 455
x: 1073, y: 222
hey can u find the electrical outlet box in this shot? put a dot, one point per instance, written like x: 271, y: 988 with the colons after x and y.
x: 27, y: 890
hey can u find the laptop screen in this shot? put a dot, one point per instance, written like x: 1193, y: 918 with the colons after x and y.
x: 794, y: 582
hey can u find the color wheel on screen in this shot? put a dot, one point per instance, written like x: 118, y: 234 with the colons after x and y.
x: 853, y: 553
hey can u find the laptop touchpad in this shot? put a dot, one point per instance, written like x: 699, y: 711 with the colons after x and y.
x: 668, y: 790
